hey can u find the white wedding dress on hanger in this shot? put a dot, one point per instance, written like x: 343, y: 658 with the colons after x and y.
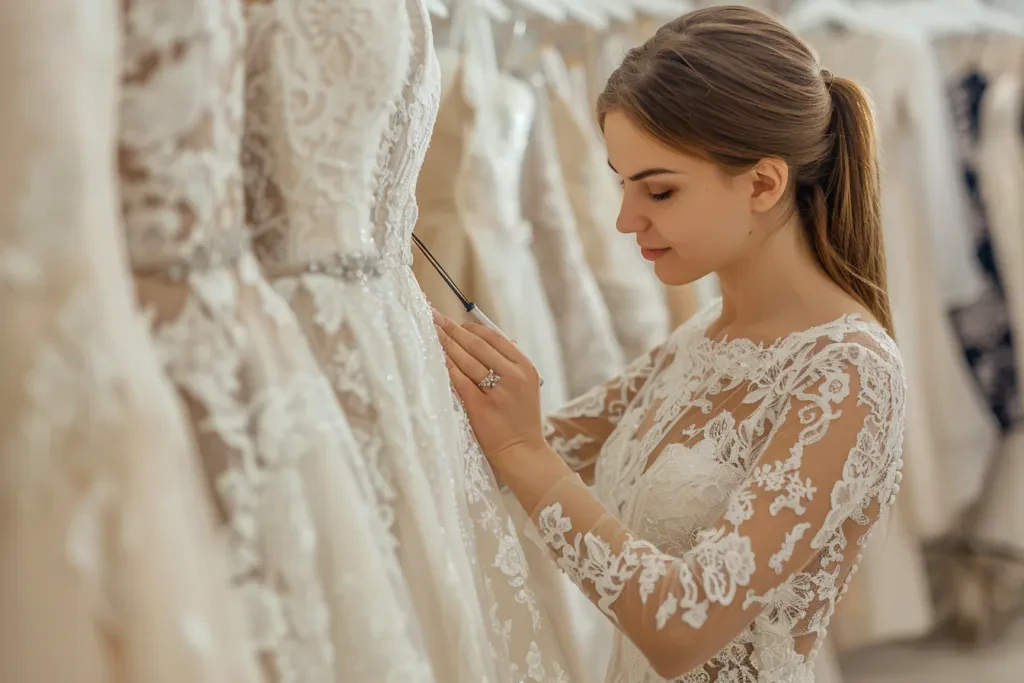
x: 110, y: 569
x: 590, y: 350
x: 635, y: 298
x: 297, y: 511
x: 341, y: 99
x: 472, y: 219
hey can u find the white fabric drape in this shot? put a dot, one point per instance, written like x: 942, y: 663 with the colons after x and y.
x: 104, y: 528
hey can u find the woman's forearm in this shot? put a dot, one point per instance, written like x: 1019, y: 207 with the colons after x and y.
x: 530, y: 472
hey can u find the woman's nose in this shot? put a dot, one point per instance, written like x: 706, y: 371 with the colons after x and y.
x: 629, y: 222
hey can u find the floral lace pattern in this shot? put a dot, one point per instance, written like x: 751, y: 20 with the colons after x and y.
x: 743, y: 475
x: 107, y: 539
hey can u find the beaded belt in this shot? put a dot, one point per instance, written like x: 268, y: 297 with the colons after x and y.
x: 222, y: 251
x: 227, y: 250
x: 356, y: 267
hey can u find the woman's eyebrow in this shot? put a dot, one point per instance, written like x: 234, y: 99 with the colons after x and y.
x: 646, y: 173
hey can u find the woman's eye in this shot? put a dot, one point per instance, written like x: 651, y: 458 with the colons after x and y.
x: 658, y: 197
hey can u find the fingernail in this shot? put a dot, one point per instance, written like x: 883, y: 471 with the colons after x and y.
x: 435, y: 314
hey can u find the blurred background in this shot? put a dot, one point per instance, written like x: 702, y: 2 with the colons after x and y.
x: 939, y: 593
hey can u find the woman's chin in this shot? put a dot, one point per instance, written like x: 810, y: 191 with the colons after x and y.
x: 672, y: 273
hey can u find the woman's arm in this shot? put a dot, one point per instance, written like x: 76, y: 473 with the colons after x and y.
x: 814, y: 493
x: 577, y: 431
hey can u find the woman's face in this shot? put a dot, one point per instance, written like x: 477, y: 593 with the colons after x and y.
x: 690, y: 218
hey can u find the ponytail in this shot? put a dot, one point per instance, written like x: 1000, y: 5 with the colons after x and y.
x: 842, y: 211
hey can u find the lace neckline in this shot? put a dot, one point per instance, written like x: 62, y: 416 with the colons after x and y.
x: 847, y: 322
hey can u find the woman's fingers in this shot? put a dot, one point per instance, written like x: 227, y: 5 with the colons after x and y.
x: 464, y: 386
x: 506, y: 347
x: 460, y: 357
x: 475, y: 346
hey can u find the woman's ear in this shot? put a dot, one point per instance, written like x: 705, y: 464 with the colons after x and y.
x: 769, y: 179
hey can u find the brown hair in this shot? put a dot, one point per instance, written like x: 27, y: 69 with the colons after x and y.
x: 735, y: 86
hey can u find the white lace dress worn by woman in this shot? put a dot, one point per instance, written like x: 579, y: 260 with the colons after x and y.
x: 306, y: 551
x: 106, y: 537
x: 341, y: 99
x: 724, y: 502
x: 736, y: 484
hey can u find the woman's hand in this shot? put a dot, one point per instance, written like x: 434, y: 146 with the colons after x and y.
x: 505, y: 410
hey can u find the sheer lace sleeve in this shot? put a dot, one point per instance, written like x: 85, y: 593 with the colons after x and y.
x: 579, y: 429
x: 828, y: 466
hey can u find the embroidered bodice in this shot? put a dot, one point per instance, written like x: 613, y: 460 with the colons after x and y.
x: 352, y: 153
x: 738, y: 482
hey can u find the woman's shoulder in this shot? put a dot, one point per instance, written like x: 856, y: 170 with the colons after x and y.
x: 856, y: 353
x: 855, y: 334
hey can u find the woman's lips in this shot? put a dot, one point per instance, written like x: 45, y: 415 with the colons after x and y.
x: 653, y: 254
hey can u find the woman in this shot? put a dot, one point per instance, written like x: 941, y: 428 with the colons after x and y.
x: 741, y: 464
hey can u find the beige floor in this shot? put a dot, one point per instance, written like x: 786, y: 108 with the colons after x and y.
x: 908, y: 664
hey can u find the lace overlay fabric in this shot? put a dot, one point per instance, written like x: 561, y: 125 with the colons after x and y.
x: 295, y: 505
x: 738, y: 483
x: 107, y: 537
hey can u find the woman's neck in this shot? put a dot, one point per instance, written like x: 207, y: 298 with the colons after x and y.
x: 779, y: 286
